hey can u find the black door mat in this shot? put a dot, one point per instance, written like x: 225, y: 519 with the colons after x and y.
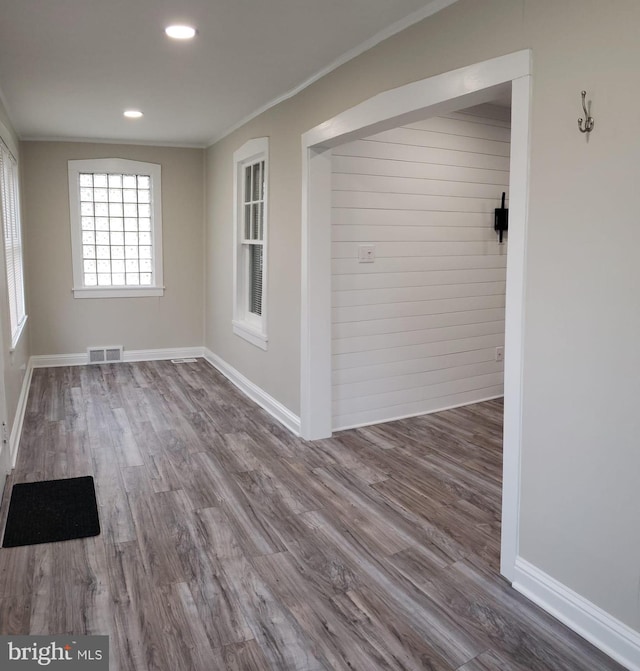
x: 50, y: 511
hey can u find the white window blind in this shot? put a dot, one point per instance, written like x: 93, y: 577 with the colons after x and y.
x: 9, y: 195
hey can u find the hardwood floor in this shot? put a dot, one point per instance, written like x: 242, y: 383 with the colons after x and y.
x: 229, y: 544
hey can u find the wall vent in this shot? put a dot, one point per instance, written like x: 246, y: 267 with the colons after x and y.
x: 105, y: 354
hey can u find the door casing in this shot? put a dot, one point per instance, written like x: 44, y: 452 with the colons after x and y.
x: 441, y: 94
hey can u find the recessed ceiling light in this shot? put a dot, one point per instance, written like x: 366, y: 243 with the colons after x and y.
x: 180, y: 32
x: 133, y: 114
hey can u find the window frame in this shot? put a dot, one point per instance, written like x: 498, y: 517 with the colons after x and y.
x: 16, y: 300
x: 115, y: 166
x: 247, y: 324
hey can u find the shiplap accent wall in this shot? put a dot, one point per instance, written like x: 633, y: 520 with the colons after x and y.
x: 416, y: 330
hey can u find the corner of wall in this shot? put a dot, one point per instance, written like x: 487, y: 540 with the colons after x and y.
x: 598, y: 627
x: 255, y: 393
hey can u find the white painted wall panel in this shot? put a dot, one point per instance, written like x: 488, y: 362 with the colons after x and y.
x: 424, y: 293
x: 356, y: 165
x: 368, y: 358
x: 418, y: 154
x: 416, y: 330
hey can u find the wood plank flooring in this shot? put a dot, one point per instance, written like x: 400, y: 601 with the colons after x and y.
x: 229, y: 544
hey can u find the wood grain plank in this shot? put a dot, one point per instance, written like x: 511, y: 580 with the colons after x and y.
x: 277, y: 631
x: 232, y: 544
x: 245, y: 656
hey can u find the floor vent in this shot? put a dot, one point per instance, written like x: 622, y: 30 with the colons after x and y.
x: 105, y: 354
x: 187, y: 360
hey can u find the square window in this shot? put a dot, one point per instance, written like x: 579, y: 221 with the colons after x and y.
x: 116, y: 222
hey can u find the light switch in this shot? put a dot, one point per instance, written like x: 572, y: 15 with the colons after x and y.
x: 366, y: 253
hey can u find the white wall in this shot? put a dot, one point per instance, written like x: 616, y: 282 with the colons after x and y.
x: 417, y: 330
x: 14, y: 362
x: 580, y: 459
x: 62, y: 324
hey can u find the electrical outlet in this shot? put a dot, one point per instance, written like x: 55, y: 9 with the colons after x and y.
x: 499, y: 353
x: 366, y: 253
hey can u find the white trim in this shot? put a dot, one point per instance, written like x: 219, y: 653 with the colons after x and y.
x: 113, y: 292
x: 425, y: 12
x: 255, y: 337
x: 471, y: 85
x: 416, y: 414
x: 466, y: 87
x: 18, y: 334
x: 315, y: 310
x: 18, y: 420
x: 162, y: 354
x: 56, y: 360
x: 255, y: 393
x: 514, y: 321
x: 122, y: 166
x: 128, y: 142
x: 607, y: 633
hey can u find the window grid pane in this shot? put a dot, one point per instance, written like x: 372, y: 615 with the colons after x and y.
x: 116, y: 229
x: 253, y: 201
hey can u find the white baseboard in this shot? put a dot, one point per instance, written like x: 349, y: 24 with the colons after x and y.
x: 385, y: 420
x: 163, y: 354
x: 607, y: 633
x: 18, y: 420
x: 255, y: 393
x: 55, y: 360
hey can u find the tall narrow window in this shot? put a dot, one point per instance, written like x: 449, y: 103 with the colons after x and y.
x: 250, y: 197
x: 116, y: 229
x: 9, y: 195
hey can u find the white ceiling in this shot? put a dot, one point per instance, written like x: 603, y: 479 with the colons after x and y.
x: 69, y: 68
